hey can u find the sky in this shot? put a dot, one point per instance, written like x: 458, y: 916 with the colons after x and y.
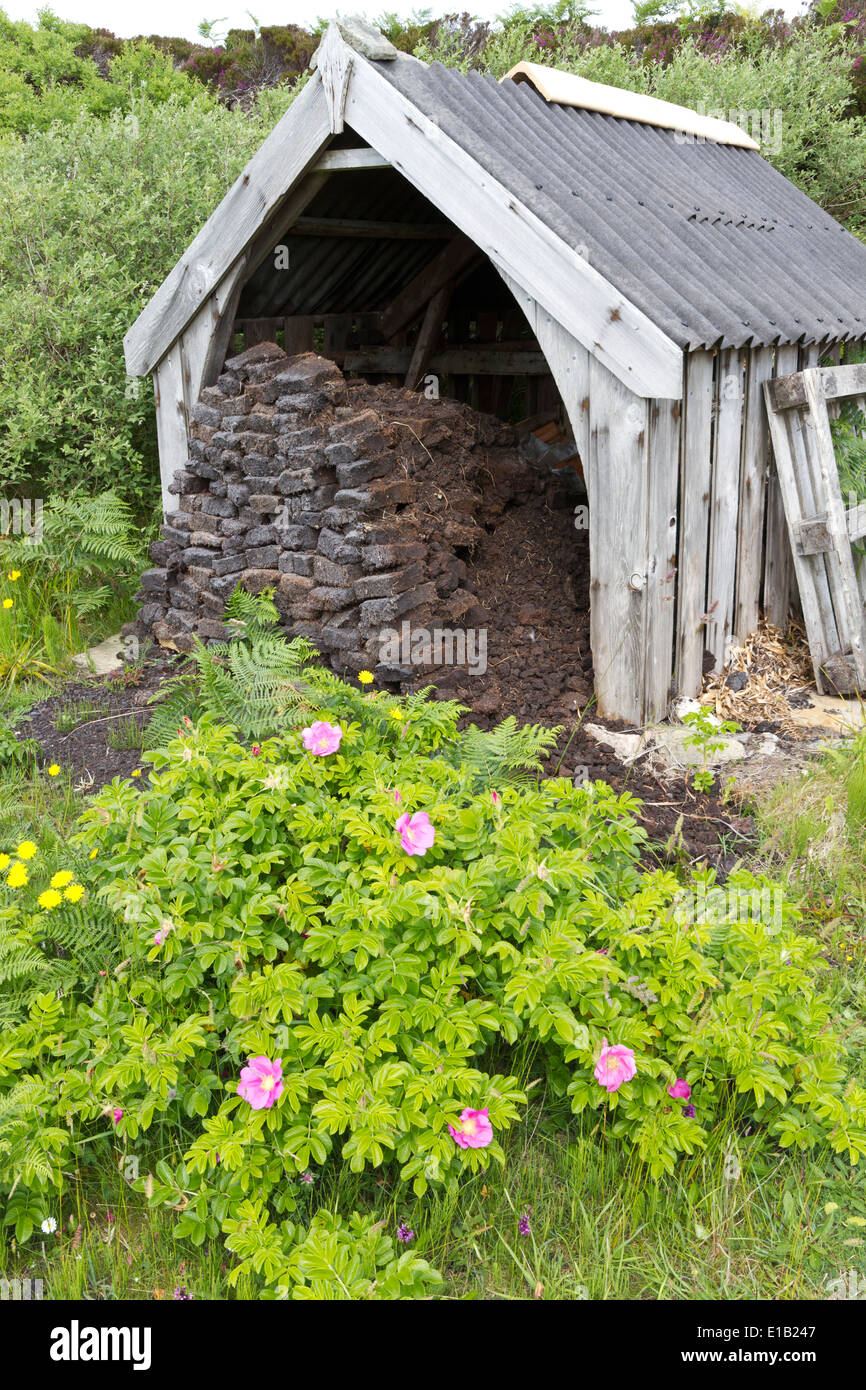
x: 180, y: 18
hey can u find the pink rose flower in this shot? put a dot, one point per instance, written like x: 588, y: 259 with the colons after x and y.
x: 116, y: 1115
x: 474, y: 1130
x: 496, y: 798
x: 322, y: 738
x: 159, y: 937
x: 615, y: 1066
x: 261, y: 1082
x: 416, y: 833
x: 397, y: 798
x: 681, y: 1090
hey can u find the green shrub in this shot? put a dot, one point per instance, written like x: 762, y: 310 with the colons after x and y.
x: 95, y: 214
x: 265, y: 907
x: 71, y: 575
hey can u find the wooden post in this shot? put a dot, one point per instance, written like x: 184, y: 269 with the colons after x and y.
x: 428, y: 336
x: 661, y: 526
x: 724, y: 503
x: 778, y: 561
x: 753, y: 479
x: 695, y: 477
x: 617, y: 473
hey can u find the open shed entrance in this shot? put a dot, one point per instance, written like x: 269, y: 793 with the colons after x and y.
x: 371, y: 276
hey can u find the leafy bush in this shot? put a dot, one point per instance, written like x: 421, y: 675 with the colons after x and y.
x: 266, y: 907
x: 47, y: 76
x: 75, y: 569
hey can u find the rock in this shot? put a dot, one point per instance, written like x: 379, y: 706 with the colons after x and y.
x: 737, y: 680
x: 108, y: 656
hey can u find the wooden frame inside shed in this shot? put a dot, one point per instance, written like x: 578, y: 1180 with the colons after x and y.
x: 686, y: 528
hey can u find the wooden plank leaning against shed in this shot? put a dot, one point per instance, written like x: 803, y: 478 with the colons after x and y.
x: 850, y: 616
x: 289, y: 150
x: 695, y: 478
x: 778, y: 563
x: 753, y: 477
x: 516, y: 240
x: 724, y: 504
x: 801, y: 435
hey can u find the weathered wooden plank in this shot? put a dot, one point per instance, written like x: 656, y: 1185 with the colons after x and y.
x: 482, y: 361
x: 661, y: 522
x: 568, y: 362
x: 843, y: 579
x: 205, y: 340
x: 171, y: 421
x: 517, y: 241
x: 339, y: 161
x: 836, y: 382
x: 778, y: 567
x: 724, y: 504
x: 192, y: 362
x: 428, y: 336
x: 455, y: 258
x: 293, y: 145
x: 809, y: 491
x: 753, y: 476
x: 617, y: 480
x: 811, y: 536
x: 367, y: 228
x: 298, y: 331
x: 695, y: 480
x: 832, y: 383
x: 791, y: 469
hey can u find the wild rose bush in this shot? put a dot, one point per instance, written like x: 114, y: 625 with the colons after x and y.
x: 310, y: 988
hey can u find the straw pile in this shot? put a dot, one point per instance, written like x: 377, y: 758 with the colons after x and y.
x: 779, y: 671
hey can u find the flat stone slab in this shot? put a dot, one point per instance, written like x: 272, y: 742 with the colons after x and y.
x: 832, y: 712
x: 666, y: 744
x: 102, y: 659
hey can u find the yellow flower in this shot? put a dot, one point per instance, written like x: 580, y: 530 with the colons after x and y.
x: 26, y: 849
x: 74, y: 893
x: 61, y: 879
x: 137, y: 772
x: 365, y: 677
x: 5, y: 861
x: 13, y: 575
x: 50, y: 898
x: 17, y: 876
x: 93, y: 853
x: 398, y: 715
x: 54, y: 770
x: 8, y: 602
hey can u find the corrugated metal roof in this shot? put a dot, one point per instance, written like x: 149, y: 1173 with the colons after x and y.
x: 709, y: 241
x: 329, y: 275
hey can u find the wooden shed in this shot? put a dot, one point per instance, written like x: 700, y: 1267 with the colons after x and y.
x: 547, y: 244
